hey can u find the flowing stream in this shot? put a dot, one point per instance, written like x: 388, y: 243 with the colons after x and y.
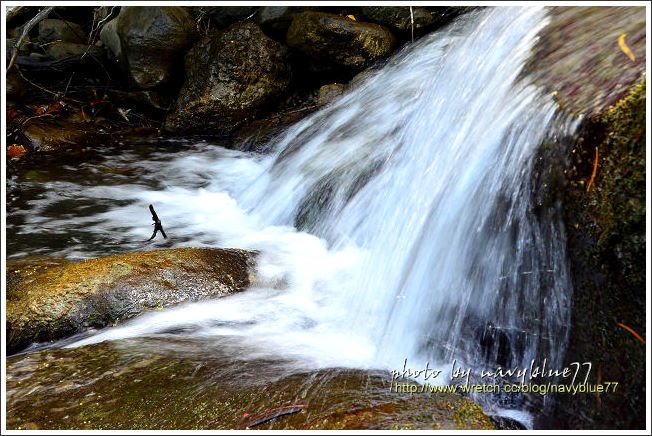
x: 398, y: 222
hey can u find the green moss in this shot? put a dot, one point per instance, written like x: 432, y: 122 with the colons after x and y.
x: 606, y: 244
x: 619, y: 189
x: 470, y: 415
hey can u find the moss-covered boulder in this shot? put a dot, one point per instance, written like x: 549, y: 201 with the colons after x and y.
x: 606, y: 241
x: 592, y: 59
x: 230, y: 75
x: 153, y: 41
x: 340, y: 40
x: 170, y: 383
x: 49, y: 300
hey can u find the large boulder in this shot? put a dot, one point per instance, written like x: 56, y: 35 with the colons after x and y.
x: 231, y: 75
x: 172, y: 383
x: 50, y: 301
x: 153, y: 41
x: 579, y: 61
x: 340, y: 40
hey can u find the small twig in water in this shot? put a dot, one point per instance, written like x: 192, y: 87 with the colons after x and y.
x: 595, y: 169
x: 268, y: 415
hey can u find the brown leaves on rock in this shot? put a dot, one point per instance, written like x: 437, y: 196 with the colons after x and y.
x: 51, y: 108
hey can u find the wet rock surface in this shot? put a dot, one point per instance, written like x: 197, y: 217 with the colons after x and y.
x: 340, y: 40
x: 55, y: 299
x: 231, y: 75
x: 581, y: 60
x: 172, y: 383
x: 578, y: 56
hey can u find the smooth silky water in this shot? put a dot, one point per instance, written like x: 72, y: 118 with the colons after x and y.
x: 396, y: 223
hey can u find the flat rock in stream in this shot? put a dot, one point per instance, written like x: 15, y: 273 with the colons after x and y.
x: 212, y: 384
x: 52, y: 299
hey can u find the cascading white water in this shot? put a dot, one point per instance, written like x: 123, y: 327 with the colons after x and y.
x: 396, y: 223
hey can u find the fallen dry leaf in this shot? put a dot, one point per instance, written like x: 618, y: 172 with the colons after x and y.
x: 623, y: 46
x: 16, y: 151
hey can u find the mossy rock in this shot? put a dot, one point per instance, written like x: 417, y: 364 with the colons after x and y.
x: 51, y: 299
x: 606, y: 243
x: 167, y: 383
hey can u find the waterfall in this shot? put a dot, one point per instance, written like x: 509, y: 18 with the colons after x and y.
x: 399, y: 222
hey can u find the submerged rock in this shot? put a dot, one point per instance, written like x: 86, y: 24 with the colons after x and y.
x: 231, y: 75
x: 49, y: 136
x: 329, y: 93
x: 52, y: 301
x: 153, y: 41
x: 192, y: 384
x: 340, y: 40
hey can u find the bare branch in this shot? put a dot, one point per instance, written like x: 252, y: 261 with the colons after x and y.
x: 26, y: 28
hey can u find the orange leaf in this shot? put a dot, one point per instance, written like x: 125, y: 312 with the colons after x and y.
x: 16, y: 151
x: 351, y: 17
x: 54, y: 107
